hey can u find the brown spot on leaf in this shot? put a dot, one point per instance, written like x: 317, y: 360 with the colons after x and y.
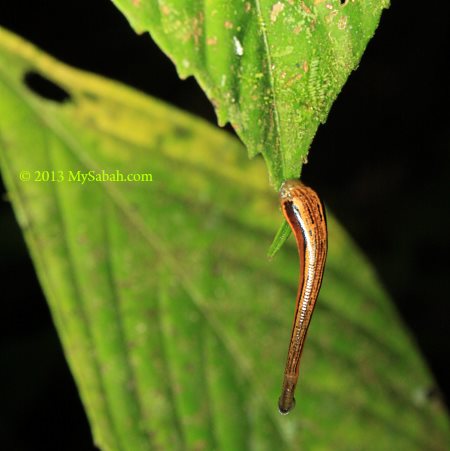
x: 276, y: 9
x: 342, y: 23
x: 305, y: 8
x: 196, y: 28
x: 293, y: 79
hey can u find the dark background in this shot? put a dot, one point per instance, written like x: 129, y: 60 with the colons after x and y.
x: 381, y: 163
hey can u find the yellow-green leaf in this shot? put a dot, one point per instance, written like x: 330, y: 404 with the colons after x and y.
x: 174, y: 323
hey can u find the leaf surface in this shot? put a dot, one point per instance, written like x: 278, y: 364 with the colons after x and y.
x: 271, y: 68
x: 174, y: 323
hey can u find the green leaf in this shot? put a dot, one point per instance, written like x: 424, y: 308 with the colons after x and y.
x: 174, y: 323
x: 271, y: 68
x: 283, y: 233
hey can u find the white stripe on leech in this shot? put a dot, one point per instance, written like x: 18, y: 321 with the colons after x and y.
x: 311, y: 266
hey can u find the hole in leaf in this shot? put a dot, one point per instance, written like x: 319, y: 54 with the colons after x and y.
x: 43, y: 87
x: 343, y: 2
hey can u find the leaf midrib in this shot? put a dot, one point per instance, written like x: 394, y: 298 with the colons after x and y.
x: 262, y: 27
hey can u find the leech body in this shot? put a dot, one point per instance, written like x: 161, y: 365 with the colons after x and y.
x: 304, y: 213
